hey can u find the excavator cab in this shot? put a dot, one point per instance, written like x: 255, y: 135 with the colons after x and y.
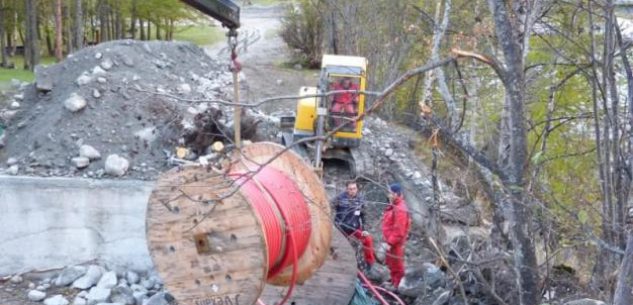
x: 337, y: 100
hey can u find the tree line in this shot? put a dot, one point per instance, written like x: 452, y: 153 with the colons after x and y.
x: 58, y: 27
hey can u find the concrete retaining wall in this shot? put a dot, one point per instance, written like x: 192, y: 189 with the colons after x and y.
x: 48, y: 223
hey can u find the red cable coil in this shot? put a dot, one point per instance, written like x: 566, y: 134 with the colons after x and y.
x: 293, y: 230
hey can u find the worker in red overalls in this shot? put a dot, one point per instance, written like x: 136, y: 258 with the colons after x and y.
x: 344, y: 102
x: 395, y: 229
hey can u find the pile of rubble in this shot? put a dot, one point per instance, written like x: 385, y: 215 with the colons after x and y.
x: 89, y: 285
x: 117, y: 109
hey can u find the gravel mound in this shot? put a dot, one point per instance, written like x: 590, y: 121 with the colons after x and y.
x: 118, y: 98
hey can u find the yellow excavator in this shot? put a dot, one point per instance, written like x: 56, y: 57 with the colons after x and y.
x: 336, y: 101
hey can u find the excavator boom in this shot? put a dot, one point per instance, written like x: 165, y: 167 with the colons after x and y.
x: 225, y: 11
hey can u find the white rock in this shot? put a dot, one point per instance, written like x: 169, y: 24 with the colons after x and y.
x: 280, y: 82
x: 389, y: 152
x: 16, y: 279
x: 75, y: 102
x: 83, y: 79
x: 135, y: 77
x: 98, y: 71
x: 80, y: 162
x: 89, y: 152
x: 96, y: 93
x: 19, y: 97
x: 139, y: 296
x: 15, y: 105
x: 69, y: 275
x: 56, y: 300
x: 89, y: 279
x: 36, y: 295
x: 83, y: 294
x: 40, y: 288
x: 106, y: 64
x: 157, y: 299
x: 184, y: 88
x: 13, y: 170
x: 108, y: 280
x: 147, y: 135
x: 131, y: 276
x: 417, y: 175
x: 31, y: 285
x: 98, y: 55
x: 102, y: 80
x: 97, y: 295
x: 80, y: 301
x: 116, y: 166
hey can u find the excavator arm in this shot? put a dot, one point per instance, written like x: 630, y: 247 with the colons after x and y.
x: 225, y: 11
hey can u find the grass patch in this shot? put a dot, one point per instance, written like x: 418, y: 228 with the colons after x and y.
x: 268, y: 2
x: 201, y: 35
x: 19, y: 73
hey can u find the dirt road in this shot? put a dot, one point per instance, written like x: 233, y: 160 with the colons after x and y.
x: 266, y: 60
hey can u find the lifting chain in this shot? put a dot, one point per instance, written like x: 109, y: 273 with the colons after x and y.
x: 235, y: 68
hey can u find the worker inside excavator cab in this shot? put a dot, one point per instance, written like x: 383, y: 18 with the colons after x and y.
x: 343, y: 105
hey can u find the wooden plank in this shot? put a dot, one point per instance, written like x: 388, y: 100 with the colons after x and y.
x: 332, y: 284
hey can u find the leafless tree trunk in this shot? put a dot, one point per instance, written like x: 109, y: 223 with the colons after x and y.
x: 133, y: 19
x: 31, y: 48
x: 508, y: 31
x: 79, y: 25
x: 58, y: 30
x: 3, y: 36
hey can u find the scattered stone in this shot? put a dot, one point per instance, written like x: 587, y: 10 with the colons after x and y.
x: 123, y: 295
x: 108, y: 280
x: 36, y: 295
x: 131, y: 276
x: 417, y: 175
x: 75, y: 102
x: 89, y: 152
x: 98, y: 70
x: 80, y: 162
x: 106, y: 64
x: 102, y: 80
x: 43, y: 79
x: 96, y: 93
x: 98, y: 55
x: 83, y: 79
x: 56, y: 300
x: 184, y: 89
x: 41, y: 288
x: 422, y: 280
x: 80, y: 301
x: 139, y: 296
x: 116, y: 166
x: 31, y: 285
x: 16, y: 279
x: 12, y: 161
x: 92, y: 276
x: 97, y: 295
x: 280, y: 82
x: 15, y: 105
x: 69, y: 275
x: 157, y: 299
x: 389, y: 152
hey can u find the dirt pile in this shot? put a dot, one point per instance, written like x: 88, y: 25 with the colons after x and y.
x: 116, y: 109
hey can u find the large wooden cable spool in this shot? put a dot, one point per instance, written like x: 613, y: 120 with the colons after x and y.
x: 209, y: 232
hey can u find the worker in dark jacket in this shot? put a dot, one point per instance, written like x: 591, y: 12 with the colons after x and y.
x: 350, y: 218
x: 395, y: 229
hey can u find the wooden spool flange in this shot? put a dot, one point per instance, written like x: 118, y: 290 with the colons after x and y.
x: 207, y: 241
